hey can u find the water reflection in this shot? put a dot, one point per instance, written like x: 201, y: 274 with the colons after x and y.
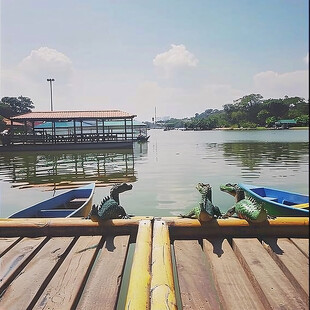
x: 254, y: 157
x: 68, y: 167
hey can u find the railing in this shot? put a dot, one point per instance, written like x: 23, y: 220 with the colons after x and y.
x: 69, y: 138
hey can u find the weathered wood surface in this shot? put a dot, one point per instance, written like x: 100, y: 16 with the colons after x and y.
x: 14, y: 260
x: 273, y: 287
x: 197, y: 288
x: 302, y: 244
x: 86, y: 272
x: 6, y: 244
x: 63, y: 289
x: 27, y: 285
x: 231, y: 281
x: 102, y: 287
x: 294, y: 264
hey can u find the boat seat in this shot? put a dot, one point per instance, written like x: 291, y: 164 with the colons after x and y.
x: 302, y: 206
x: 56, y: 212
x: 271, y: 198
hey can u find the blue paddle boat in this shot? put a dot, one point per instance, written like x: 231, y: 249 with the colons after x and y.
x: 73, y: 203
x: 278, y: 202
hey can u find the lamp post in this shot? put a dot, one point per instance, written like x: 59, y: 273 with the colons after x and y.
x: 51, y: 80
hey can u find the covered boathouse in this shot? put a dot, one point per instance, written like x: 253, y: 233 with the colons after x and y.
x: 78, y: 135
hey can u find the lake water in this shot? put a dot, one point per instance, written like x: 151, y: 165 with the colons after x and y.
x: 164, y: 171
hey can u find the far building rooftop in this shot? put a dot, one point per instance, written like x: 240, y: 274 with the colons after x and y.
x: 70, y: 115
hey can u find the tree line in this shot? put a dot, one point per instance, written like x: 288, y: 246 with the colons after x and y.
x: 250, y: 111
x: 12, y: 106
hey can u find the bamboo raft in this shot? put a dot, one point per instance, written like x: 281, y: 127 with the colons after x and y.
x: 154, y: 263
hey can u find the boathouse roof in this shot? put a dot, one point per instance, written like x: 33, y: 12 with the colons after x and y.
x: 67, y: 115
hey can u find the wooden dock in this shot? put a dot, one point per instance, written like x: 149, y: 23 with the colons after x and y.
x: 154, y: 263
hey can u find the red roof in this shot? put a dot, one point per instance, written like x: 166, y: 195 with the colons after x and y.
x: 58, y: 115
x: 8, y: 122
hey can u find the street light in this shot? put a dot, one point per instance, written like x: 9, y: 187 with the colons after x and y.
x: 51, y: 80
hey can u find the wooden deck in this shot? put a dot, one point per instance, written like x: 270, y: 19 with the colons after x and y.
x: 154, y: 263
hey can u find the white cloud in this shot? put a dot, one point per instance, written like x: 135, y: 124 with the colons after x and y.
x: 176, y: 57
x: 271, y: 84
x: 306, y: 59
x: 46, y: 62
x: 29, y: 78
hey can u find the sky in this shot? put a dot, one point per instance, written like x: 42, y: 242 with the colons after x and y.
x: 174, y: 57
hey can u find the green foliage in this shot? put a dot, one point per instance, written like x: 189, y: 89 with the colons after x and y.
x: 303, y: 120
x: 251, y: 111
x: 270, y: 121
x: 262, y: 116
x: 12, y: 106
x: 2, y: 124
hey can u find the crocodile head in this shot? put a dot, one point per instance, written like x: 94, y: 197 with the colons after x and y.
x: 234, y: 190
x: 205, y: 190
x: 229, y: 188
x: 119, y: 188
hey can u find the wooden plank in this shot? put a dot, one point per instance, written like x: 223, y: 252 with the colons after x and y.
x: 302, y: 245
x: 272, y: 286
x: 138, y: 294
x: 102, y: 287
x: 24, y: 288
x: 231, y: 280
x: 292, y: 262
x: 63, y: 289
x: 162, y: 283
x: 6, y: 244
x: 197, y: 287
x: 16, y: 259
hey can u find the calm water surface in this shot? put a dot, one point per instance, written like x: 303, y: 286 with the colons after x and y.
x: 164, y: 171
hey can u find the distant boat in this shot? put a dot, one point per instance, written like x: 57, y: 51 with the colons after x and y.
x: 278, y: 202
x: 73, y: 203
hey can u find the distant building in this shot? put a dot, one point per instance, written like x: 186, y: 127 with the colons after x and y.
x: 285, y: 123
x: 73, y: 130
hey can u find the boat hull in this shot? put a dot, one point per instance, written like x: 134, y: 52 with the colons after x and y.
x: 278, y: 202
x: 74, y: 203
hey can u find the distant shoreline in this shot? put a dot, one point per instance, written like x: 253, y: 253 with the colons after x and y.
x: 263, y: 128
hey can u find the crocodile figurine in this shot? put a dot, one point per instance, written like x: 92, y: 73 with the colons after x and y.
x: 205, y: 211
x: 245, y: 207
x: 110, y: 207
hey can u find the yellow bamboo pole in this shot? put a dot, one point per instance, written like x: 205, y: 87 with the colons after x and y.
x: 236, y: 222
x: 279, y: 227
x: 162, y: 284
x: 18, y: 227
x: 138, y: 294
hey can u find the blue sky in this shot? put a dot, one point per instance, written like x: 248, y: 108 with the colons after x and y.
x: 181, y: 57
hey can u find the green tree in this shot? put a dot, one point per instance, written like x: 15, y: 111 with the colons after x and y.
x: 270, y: 121
x: 11, y: 106
x: 262, y: 116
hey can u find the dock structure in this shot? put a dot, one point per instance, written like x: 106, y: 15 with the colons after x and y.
x: 67, y: 130
x: 154, y: 263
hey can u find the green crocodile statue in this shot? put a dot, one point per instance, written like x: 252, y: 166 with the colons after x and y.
x: 110, y: 207
x: 245, y: 207
x: 205, y: 211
